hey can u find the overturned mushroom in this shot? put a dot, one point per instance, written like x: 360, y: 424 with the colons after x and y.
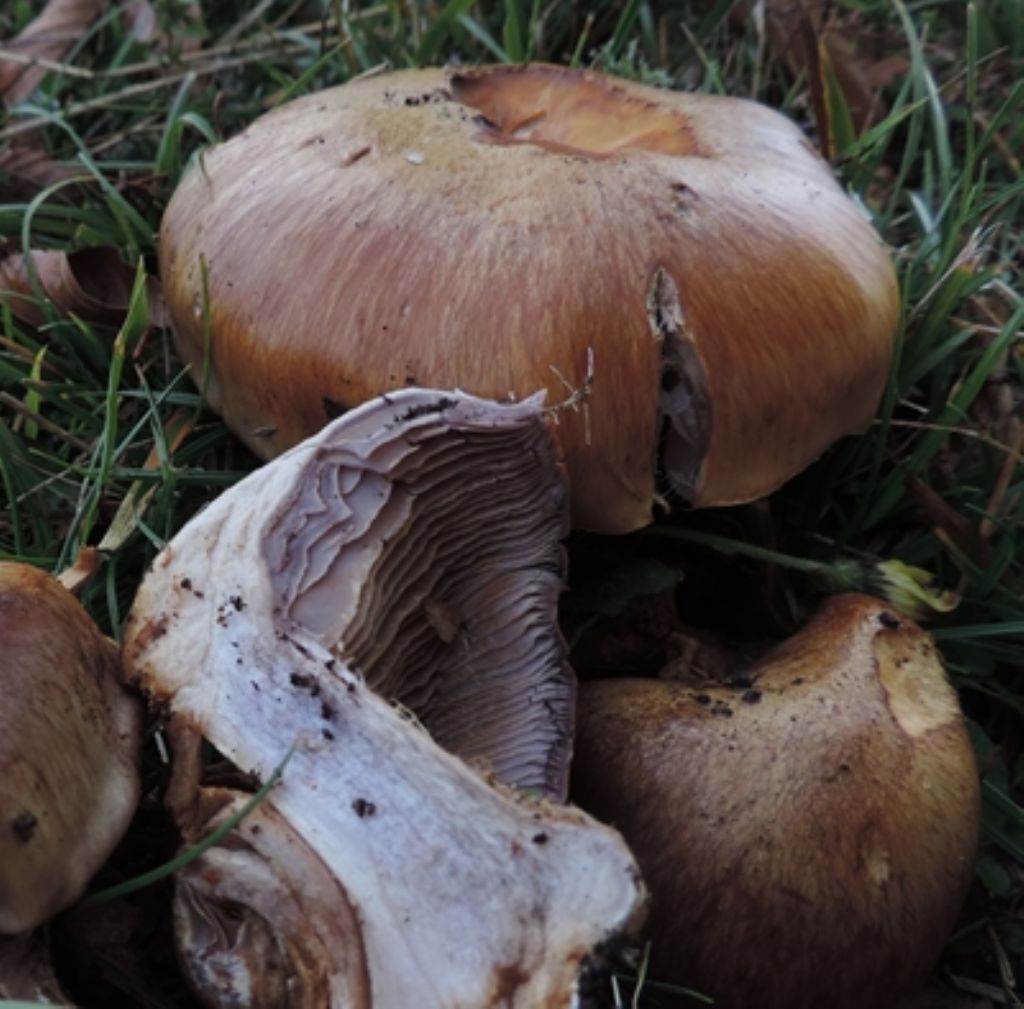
x: 408, y: 558
x: 808, y: 837
x: 685, y: 262
x: 70, y: 736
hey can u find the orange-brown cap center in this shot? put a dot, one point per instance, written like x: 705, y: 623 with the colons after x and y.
x: 569, y: 112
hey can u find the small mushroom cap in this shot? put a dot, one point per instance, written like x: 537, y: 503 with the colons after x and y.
x: 808, y: 839
x: 69, y: 748
x: 687, y: 260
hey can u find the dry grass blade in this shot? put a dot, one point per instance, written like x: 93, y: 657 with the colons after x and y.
x: 129, y: 513
x: 19, y: 409
x: 94, y: 284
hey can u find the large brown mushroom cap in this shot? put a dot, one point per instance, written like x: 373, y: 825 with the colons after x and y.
x: 69, y: 748
x: 499, y: 229
x: 808, y: 840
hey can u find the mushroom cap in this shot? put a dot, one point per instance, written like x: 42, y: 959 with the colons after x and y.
x: 686, y: 260
x: 70, y: 737
x: 26, y: 970
x: 808, y: 840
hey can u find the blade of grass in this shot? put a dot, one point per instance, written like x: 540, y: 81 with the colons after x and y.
x: 440, y: 30
x: 513, y: 32
x: 840, y: 122
x: 187, y: 857
x: 623, y: 27
x: 484, y: 37
x: 299, y: 84
x: 169, y: 150
x: 135, y: 323
x: 954, y: 413
x: 922, y: 74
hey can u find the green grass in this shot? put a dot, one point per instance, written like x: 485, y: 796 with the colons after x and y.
x: 89, y: 412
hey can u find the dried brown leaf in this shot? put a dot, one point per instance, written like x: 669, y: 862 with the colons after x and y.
x: 94, y: 284
x: 48, y: 37
x: 804, y: 33
x: 949, y: 524
x: 29, y: 168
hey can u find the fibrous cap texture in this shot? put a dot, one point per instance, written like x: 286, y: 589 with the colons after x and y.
x: 70, y: 736
x: 685, y: 263
x: 809, y: 836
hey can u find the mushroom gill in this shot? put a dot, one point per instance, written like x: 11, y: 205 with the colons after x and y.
x: 431, y: 564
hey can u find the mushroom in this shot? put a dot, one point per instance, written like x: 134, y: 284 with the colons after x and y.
x: 70, y: 738
x: 386, y: 588
x: 808, y: 836
x: 26, y: 970
x: 685, y: 264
